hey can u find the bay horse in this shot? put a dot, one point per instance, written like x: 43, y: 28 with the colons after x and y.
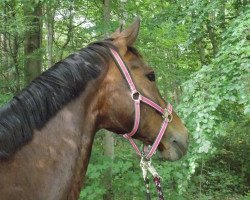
x: 47, y: 131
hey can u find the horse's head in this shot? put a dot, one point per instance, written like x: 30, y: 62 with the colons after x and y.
x: 116, y: 104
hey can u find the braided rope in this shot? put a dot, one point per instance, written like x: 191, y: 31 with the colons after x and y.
x: 158, y: 188
x: 148, y: 195
x: 146, y: 167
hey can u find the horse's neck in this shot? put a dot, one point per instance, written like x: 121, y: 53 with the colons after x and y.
x: 68, y: 149
x: 53, y: 164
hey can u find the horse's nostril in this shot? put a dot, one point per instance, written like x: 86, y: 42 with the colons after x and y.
x: 174, y: 141
x: 179, y: 144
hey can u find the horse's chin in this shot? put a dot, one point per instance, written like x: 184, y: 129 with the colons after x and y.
x: 173, y: 153
x: 169, y: 156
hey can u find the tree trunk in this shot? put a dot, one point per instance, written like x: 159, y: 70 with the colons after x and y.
x: 5, y: 54
x: 5, y: 57
x: 223, y: 15
x: 212, y: 37
x: 6, y: 50
x: 69, y: 31
x: 106, y: 15
x: 1, y: 50
x: 32, y: 43
x: 108, y: 139
x: 50, y: 14
x: 201, y: 51
x: 16, y: 64
x: 176, y: 94
x: 13, y: 45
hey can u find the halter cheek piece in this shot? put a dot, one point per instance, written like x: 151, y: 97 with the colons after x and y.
x: 138, y: 98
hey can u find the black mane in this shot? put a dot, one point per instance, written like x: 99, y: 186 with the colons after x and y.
x: 47, y: 94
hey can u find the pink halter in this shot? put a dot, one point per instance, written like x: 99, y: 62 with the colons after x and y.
x: 138, y: 98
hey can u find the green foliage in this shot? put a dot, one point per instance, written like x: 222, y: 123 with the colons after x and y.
x: 219, y: 89
x: 216, y: 109
x: 5, y: 98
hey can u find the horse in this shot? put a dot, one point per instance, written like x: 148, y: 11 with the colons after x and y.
x: 47, y: 131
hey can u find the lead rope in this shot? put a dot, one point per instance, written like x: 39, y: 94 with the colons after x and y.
x: 158, y: 187
x: 146, y: 167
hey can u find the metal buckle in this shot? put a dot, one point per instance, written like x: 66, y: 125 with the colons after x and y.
x: 167, y: 115
x: 144, y: 164
x: 146, y: 167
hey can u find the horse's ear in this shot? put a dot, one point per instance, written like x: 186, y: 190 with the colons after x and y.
x: 124, y: 38
x: 118, y: 31
x: 127, y: 37
x: 130, y: 34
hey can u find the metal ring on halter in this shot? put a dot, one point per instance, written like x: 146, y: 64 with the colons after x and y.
x: 136, y: 96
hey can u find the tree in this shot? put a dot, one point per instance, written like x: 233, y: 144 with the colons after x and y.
x: 12, y: 30
x: 50, y: 18
x: 32, y: 43
x: 108, y: 138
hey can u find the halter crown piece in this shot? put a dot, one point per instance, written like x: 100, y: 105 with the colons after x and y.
x: 166, y: 115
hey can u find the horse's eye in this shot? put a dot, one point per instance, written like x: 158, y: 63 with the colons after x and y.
x: 151, y: 76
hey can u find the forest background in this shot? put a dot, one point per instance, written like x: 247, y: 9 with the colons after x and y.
x: 200, y: 51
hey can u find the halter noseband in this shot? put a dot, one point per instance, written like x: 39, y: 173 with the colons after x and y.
x: 138, y: 98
